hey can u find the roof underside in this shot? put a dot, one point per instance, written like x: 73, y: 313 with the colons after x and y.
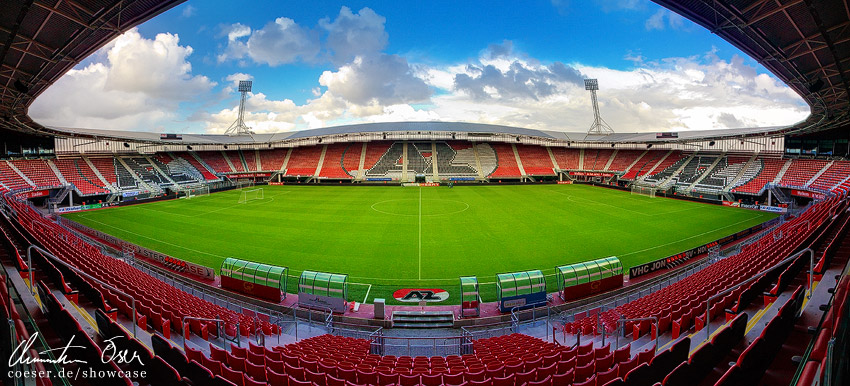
x: 806, y: 43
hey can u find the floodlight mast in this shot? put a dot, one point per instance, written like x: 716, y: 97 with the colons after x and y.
x: 599, y: 126
x: 239, y: 127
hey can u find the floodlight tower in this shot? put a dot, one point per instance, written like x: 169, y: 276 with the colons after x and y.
x: 239, y: 127
x: 599, y: 126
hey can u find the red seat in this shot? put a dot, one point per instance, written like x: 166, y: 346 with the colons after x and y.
x: 232, y: 375
x: 584, y: 372
x: 409, y: 380
x: 543, y: 382
x: 316, y: 378
x: 295, y: 382
x: 504, y: 381
x: 589, y: 382
x: 367, y: 377
x: 257, y: 372
x: 387, y: 379
x: 523, y: 378
x: 248, y: 381
x: 432, y: 380
x: 453, y: 379
x: 276, y: 379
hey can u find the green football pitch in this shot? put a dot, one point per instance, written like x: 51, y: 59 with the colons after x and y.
x: 390, y: 238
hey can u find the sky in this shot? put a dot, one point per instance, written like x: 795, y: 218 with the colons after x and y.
x: 328, y: 63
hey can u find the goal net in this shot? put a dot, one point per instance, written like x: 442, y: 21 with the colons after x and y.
x: 242, y: 184
x: 643, y: 190
x: 251, y: 195
x: 195, y: 191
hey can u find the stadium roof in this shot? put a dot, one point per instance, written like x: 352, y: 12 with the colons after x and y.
x: 806, y: 43
x: 414, y: 128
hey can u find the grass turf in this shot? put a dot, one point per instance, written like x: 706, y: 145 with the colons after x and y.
x: 389, y: 238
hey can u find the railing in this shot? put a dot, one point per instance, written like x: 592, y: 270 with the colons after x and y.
x: 623, y: 323
x: 426, y: 346
x: 757, y: 276
x: 47, y: 254
x: 515, y: 317
x: 220, y: 329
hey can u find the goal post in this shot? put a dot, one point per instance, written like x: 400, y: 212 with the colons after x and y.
x: 249, y: 195
x: 243, y: 184
x: 193, y: 191
x: 643, y: 190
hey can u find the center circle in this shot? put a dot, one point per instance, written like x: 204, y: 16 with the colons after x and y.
x: 411, y: 207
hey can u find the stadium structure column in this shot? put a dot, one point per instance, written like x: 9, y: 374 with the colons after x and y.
x: 434, y: 162
x: 404, y: 162
x: 360, y: 172
x: 518, y: 160
x: 552, y: 157
x: 477, y: 160
x: 321, y: 162
x: 581, y: 159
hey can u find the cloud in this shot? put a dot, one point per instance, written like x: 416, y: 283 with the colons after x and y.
x: 381, y: 79
x: 189, y: 11
x: 138, y: 84
x: 503, y: 74
x: 284, y: 41
x: 354, y: 34
x: 663, y: 19
x: 279, y: 42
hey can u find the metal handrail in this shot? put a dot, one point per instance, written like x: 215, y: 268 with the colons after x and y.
x: 220, y: 330
x: 623, y: 322
x: 533, y: 308
x: 757, y: 276
x: 77, y: 270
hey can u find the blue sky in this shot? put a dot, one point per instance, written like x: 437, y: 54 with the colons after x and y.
x: 327, y: 63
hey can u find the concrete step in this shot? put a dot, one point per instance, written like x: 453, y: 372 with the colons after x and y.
x: 423, y: 319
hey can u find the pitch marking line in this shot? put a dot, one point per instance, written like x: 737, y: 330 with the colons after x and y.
x: 691, y: 237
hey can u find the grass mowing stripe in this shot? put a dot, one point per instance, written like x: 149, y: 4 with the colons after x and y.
x: 368, y: 232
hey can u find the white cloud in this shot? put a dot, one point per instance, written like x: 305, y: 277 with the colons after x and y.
x: 663, y: 19
x: 279, y: 42
x: 381, y: 79
x: 139, y: 84
x: 189, y: 11
x: 354, y: 34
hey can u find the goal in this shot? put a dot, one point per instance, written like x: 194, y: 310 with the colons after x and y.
x: 643, y: 190
x: 242, y: 184
x: 251, y: 195
x: 195, y: 191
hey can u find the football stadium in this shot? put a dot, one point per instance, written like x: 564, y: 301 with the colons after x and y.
x: 427, y: 252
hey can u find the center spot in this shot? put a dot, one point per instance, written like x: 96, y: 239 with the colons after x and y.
x: 410, y: 207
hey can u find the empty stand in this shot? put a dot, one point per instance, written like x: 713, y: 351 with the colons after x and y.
x: 332, y: 165
x: 801, y: 171
x: 78, y: 172
x: 272, y: 160
x: 303, y: 161
x: 644, y: 164
x: 215, y: 160
x: 206, y: 174
x: 506, y: 159
x: 567, y: 158
x: 535, y: 160
x: 760, y: 173
x: 623, y: 159
x: 236, y: 160
x: 11, y: 179
x: 38, y: 172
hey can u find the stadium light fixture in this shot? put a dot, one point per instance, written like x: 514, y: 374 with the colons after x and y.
x: 711, y: 143
x: 188, y: 147
x: 649, y: 146
x: 599, y: 126
x: 239, y: 127
x: 126, y: 144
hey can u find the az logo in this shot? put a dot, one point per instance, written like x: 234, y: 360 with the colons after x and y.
x: 420, y: 295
